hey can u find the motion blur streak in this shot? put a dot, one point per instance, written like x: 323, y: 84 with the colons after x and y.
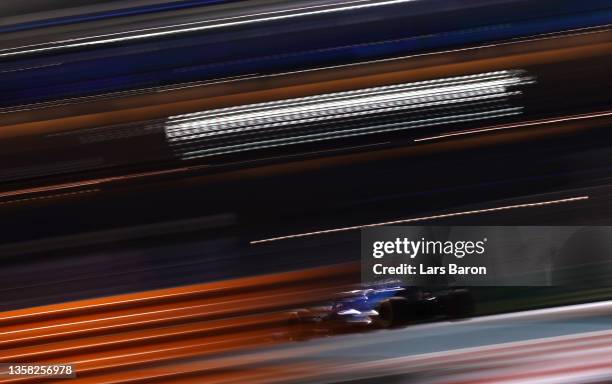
x: 424, y: 218
x: 549, y: 359
x: 53, y: 196
x: 488, y: 350
x: 492, y: 349
x: 112, y: 338
x: 183, y: 184
x: 520, y: 125
x: 445, y: 101
x: 280, y: 15
x: 85, y: 183
x: 157, y: 105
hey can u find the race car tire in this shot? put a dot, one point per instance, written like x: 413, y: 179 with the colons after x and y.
x: 392, y: 312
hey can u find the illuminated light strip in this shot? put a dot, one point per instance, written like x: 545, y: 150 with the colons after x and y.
x: 107, y: 39
x: 345, y: 134
x: 195, y: 132
x: 296, y: 121
x: 293, y: 116
x: 414, y: 86
x: 424, y: 218
x: 518, y: 125
x: 419, y: 85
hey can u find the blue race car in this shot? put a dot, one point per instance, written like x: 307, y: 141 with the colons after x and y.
x: 383, y: 306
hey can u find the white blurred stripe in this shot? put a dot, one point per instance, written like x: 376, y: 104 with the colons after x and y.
x: 423, y: 218
x: 296, y: 121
